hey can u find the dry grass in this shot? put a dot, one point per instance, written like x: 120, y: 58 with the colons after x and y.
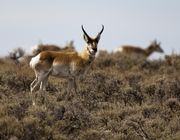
x: 120, y: 99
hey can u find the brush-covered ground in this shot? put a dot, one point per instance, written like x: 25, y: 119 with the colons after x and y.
x: 119, y: 99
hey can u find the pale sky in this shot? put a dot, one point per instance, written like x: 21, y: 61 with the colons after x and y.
x: 23, y: 23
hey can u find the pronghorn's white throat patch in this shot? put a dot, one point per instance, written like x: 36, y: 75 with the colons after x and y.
x: 91, y: 50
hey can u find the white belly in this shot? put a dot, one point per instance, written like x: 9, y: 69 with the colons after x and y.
x: 61, y: 70
x: 65, y: 70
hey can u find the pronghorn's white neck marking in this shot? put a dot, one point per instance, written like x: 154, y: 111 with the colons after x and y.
x: 88, y: 54
x: 91, y: 52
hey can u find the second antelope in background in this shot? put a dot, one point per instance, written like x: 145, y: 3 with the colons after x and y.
x: 50, y: 47
x: 138, y: 52
x: 69, y: 65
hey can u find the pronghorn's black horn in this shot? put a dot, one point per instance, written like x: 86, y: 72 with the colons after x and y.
x: 84, y: 31
x: 101, y: 30
x: 99, y: 34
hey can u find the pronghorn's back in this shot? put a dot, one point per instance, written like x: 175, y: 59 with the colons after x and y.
x: 128, y: 49
x: 58, y: 57
x: 36, y: 49
x: 50, y: 47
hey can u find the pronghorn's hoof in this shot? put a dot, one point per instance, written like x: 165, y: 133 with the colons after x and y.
x: 33, y: 104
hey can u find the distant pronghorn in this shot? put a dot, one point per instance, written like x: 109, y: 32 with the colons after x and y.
x: 16, y: 54
x: 24, y: 60
x: 19, y: 56
x: 50, y: 47
x: 138, y: 52
x: 69, y: 65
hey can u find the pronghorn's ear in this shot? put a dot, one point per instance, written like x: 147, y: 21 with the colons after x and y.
x: 86, y: 36
x: 99, y: 34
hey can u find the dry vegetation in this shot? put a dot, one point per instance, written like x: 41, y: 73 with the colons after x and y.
x: 120, y: 99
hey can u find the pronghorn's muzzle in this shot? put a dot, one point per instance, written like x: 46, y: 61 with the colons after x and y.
x: 92, y: 51
x: 95, y: 50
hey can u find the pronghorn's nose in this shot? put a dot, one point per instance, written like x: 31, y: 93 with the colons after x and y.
x: 95, y: 49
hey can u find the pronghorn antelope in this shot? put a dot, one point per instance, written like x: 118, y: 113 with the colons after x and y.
x: 24, y: 60
x: 16, y: 54
x: 138, y: 52
x: 19, y: 56
x: 69, y: 65
x: 50, y: 47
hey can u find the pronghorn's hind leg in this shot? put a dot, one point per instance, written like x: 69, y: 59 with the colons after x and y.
x: 41, y: 79
x: 31, y: 90
x: 44, y: 80
x: 32, y: 84
x: 32, y: 87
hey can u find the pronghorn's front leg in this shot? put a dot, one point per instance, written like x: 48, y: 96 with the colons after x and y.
x: 72, y: 85
x: 43, y: 84
x: 44, y: 80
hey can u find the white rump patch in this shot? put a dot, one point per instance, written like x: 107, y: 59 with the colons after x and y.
x: 34, y: 61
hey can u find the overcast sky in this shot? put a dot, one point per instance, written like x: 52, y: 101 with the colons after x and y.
x: 136, y: 22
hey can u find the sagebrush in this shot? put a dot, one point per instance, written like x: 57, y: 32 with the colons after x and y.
x: 119, y: 99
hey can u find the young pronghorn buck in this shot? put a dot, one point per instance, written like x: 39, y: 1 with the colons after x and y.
x: 69, y: 65
x: 138, y: 52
